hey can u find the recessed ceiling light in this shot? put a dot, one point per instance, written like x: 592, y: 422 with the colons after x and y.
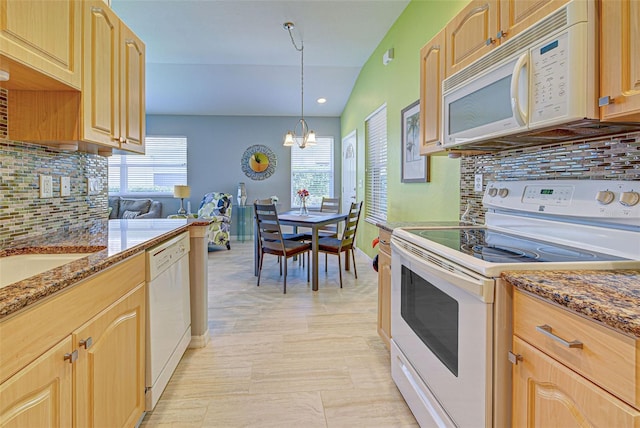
x: 321, y: 100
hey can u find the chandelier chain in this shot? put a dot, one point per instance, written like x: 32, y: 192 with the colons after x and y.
x: 301, y: 50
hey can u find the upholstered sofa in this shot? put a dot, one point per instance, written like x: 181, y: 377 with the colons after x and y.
x: 126, y: 208
x: 217, y: 206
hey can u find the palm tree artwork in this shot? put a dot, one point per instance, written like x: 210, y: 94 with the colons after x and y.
x: 413, y: 128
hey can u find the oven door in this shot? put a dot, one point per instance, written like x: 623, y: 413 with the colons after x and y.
x: 442, y: 331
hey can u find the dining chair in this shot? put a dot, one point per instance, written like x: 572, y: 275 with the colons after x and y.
x: 272, y: 240
x: 334, y: 245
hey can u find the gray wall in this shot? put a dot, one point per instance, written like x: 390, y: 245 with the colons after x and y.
x: 215, y: 145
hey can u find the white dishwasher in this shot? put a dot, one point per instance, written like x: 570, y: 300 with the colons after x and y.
x: 168, y: 313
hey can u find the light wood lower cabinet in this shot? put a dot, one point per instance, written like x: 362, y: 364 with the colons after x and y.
x: 548, y: 394
x: 384, y: 286
x: 570, y: 371
x: 110, y: 370
x: 78, y: 358
x: 40, y: 394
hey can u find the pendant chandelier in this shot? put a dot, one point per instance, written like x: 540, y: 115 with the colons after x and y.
x: 305, y: 137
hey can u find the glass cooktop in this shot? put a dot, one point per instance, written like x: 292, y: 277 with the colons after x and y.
x: 497, y: 247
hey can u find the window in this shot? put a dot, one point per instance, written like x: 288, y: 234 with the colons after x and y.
x: 163, y: 165
x: 376, y: 164
x: 312, y: 169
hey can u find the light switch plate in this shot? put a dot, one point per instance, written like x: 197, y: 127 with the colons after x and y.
x: 477, y: 183
x: 93, y: 186
x: 65, y: 186
x: 46, y: 186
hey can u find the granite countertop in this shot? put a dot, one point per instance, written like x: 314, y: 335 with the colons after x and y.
x: 109, y: 242
x: 611, y: 297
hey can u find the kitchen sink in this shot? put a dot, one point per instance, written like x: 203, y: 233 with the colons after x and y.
x: 17, y: 268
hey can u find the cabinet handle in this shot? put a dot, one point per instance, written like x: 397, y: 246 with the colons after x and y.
x: 514, y: 358
x: 383, y: 242
x: 546, y: 330
x: 501, y: 34
x: 489, y: 41
x: 605, y: 101
x: 72, y: 357
x: 86, y: 343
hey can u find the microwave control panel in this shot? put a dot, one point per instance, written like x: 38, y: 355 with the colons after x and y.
x: 550, y: 75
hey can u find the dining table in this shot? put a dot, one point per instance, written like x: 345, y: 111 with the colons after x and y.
x: 314, y: 220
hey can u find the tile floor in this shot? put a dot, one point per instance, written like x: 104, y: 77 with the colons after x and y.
x: 304, y: 359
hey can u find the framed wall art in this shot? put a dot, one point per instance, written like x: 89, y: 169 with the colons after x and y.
x: 415, y: 168
x: 258, y: 162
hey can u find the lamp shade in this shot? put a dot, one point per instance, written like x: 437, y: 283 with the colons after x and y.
x: 181, y: 191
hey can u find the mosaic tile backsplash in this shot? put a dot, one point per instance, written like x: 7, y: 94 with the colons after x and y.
x: 614, y: 158
x: 23, y: 214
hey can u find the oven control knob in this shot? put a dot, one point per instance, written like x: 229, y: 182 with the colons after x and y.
x: 605, y: 197
x: 629, y: 199
x: 503, y: 192
x: 493, y: 191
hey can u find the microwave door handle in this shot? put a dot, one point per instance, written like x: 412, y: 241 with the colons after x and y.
x: 520, y: 115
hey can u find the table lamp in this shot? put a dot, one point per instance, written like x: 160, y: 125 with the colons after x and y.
x: 181, y: 191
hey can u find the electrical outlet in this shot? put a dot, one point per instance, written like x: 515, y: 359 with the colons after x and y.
x: 46, y: 186
x: 93, y: 186
x: 477, y: 183
x: 65, y: 186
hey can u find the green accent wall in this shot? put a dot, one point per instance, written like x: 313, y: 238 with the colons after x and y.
x: 398, y: 85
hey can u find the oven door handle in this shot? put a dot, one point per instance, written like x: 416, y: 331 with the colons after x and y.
x: 454, y: 274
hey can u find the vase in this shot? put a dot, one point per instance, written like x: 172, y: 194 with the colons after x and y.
x: 303, y: 208
x: 242, y: 194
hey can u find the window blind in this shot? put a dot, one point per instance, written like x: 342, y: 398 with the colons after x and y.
x: 163, y: 165
x: 376, y: 166
x: 312, y: 169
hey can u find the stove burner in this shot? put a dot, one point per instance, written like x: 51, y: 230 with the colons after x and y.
x: 502, y: 254
x: 567, y: 252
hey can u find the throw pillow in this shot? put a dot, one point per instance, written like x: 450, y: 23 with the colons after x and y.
x: 130, y: 214
x: 140, y: 205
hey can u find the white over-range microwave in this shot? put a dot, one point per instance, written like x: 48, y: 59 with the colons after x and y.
x: 540, y: 86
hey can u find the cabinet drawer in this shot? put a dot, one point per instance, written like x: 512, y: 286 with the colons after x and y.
x: 385, y: 241
x: 606, y: 357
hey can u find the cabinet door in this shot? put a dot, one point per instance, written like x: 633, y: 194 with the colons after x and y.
x: 620, y: 59
x: 548, y: 394
x: 470, y: 34
x: 384, y: 297
x: 132, y: 86
x: 39, y: 395
x: 101, y: 86
x: 518, y: 15
x: 109, y: 377
x: 431, y: 75
x: 44, y: 35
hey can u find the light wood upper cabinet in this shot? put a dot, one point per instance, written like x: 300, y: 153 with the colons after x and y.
x: 432, y: 65
x: 548, y: 394
x: 109, y: 112
x: 101, y: 88
x: 110, y: 369
x: 620, y: 59
x: 518, y: 15
x: 41, y: 36
x: 40, y: 394
x: 132, y: 93
x: 384, y: 286
x: 470, y: 34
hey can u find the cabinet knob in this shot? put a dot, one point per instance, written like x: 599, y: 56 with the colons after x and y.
x: 514, y: 358
x: 86, y: 343
x: 605, y: 101
x: 501, y: 34
x: 72, y: 357
x: 489, y: 41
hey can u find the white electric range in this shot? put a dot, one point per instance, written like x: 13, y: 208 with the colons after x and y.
x: 450, y: 311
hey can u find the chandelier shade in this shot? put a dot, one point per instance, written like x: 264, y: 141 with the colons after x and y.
x: 301, y: 135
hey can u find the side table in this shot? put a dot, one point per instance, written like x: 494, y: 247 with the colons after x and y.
x: 244, y: 220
